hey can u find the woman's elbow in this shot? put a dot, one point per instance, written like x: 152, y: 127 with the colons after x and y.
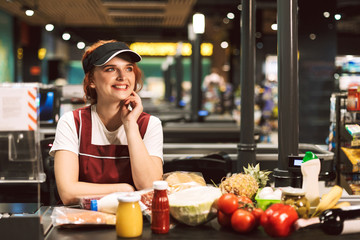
x: 67, y: 198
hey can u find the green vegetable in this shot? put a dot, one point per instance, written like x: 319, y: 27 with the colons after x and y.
x: 194, y: 206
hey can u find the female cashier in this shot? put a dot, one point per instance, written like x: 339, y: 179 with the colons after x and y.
x: 110, y: 145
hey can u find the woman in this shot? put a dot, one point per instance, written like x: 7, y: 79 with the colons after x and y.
x: 111, y: 145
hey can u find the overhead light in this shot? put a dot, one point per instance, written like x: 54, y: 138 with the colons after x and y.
x: 29, y: 12
x: 337, y: 16
x: 230, y: 15
x: 199, y: 23
x: 274, y: 26
x: 66, y: 36
x: 224, y: 44
x: 80, y: 45
x: 49, y: 27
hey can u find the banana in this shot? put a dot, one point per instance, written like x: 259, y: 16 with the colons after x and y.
x: 328, y: 200
x: 342, y: 204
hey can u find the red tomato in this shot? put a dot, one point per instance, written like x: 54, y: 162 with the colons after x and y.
x: 257, y: 212
x: 227, y: 203
x: 223, y: 219
x: 242, y: 221
x: 243, y: 200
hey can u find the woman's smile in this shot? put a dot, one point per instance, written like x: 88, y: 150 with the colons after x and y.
x: 120, y: 86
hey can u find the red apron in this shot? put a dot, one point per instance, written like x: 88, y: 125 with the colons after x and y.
x: 103, y: 163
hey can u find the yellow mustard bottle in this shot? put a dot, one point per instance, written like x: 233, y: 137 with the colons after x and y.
x: 129, y: 219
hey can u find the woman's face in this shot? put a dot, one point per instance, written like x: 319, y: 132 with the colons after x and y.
x: 115, y: 80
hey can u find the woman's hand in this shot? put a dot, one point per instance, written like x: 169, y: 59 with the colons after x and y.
x: 128, y: 116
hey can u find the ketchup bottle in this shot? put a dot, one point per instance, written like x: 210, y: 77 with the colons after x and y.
x: 160, y: 210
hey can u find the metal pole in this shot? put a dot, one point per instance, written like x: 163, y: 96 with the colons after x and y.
x: 196, y: 96
x: 247, y: 146
x: 288, y: 138
x: 179, y: 79
x: 167, y: 77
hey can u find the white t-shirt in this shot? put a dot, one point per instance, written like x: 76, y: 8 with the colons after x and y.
x: 66, y: 137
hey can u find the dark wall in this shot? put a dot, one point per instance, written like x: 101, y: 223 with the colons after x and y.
x: 316, y: 68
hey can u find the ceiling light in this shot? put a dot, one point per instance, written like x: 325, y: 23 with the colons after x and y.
x: 80, y: 45
x: 337, y: 16
x: 199, y: 23
x: 224, y: 44
x: 66, y: 36
x: 49, y: 27
x: 29, y: 12
x: 230, y: 15
x: 274, y: 26
x: 326, y: 14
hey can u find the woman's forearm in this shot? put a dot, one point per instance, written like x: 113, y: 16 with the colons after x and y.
x: 70, y: 193
x: 145, y: 168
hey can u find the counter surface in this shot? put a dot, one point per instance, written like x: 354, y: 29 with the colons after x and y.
x: 209, y: 231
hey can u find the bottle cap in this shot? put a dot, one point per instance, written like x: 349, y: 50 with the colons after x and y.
x: 293, y: 191
x: 309, y: 156
x: 93, y: 205
x: 160, y: 185
x: 130, y: 197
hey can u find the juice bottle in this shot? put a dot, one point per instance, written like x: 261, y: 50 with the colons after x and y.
x: 129, y: 219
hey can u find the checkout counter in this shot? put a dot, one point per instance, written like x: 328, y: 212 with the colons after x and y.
x: 21, y: 164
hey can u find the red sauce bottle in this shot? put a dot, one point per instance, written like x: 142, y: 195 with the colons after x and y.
x: 160, y: 210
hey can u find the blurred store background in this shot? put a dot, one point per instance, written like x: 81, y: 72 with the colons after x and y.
x: 43, y: 41
x: 46, y: 44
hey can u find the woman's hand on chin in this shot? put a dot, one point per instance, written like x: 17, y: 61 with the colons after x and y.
x: 131, y: 108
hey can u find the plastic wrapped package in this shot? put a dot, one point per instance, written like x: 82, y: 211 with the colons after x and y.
x: 65, y: 216
x: 180, y: 180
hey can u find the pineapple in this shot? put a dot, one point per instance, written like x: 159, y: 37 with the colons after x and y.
x: 262, y: 177
x: 240, y: 184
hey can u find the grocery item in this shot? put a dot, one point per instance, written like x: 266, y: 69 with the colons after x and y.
x: 296, y: 197
x: 328, y: 200
x: 66, y: 216
x: 338, y: 221
x: 194, y: 206
x: 342, y: 204
x: 180, y: 180
x: 160, y: 210
x: 240, y: 184
x: 278, y: 220
x: 228, y: 203
x: 310, y: 169
x: 129, y: 219
x: 262, y: 177
x: 242, y: 221
x: 109, y: 203
x: 353, y: 154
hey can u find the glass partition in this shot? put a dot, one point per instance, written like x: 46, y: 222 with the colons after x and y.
x: 20, y: 154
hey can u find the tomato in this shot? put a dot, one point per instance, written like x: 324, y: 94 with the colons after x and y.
x: 224, y: 219
x: 243, y: 201
x: 257, y: 212
x: 242, y: 221
x: 227, y: 203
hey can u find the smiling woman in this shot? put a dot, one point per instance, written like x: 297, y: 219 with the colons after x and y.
x: 108, y: 147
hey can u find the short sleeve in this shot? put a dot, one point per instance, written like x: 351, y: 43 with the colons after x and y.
x: 153, y: 138
x: 66, y: 135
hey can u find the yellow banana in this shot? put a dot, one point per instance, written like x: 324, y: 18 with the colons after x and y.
x: 342, y: 204
x: 328, y: 200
